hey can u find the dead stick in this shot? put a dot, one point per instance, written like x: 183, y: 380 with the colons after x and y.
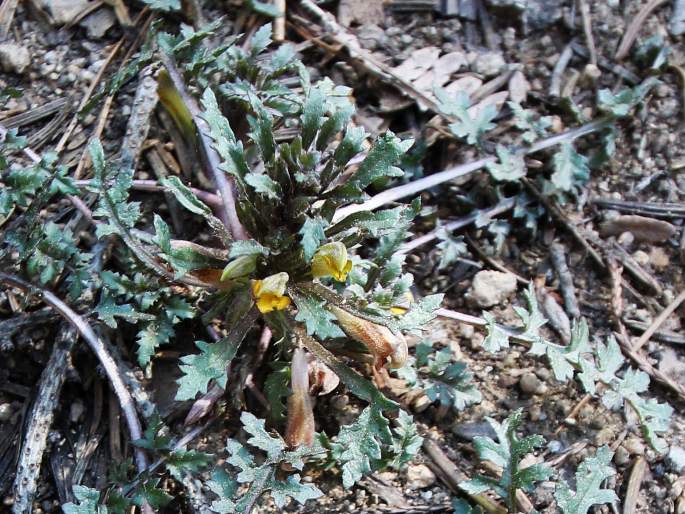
x: 501, y: 207
x: 659, y: 320
x: 279, y: 22
x: 7, y: 10
x: 98, y: 347
x: 558, y: 71
x: 450, y: 474
x: 634, y: 27
x: 587, y: 30
x: 40, y: 420
x: 568, y: 290
x: 637, y: 474
x: 396, y: 193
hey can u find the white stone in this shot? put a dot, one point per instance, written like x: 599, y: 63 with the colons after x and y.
x: 419, y: 476
x: 14, y: 58
x: 491, y: 287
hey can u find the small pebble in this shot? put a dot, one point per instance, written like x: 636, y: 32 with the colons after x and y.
x: 419, y: 476
x: 530, y: 383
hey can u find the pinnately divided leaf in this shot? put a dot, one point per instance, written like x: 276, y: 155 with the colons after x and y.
x: 261, y: 478
x: 570, y: 168
x: 507, y: 453
x: 359, y: 444
x: 589, y: 477
x: 316, y: 317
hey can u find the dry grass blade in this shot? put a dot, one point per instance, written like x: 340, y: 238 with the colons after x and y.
x: 659, y: 320
x: 637, y: 475
x: 634, y: 28
x: 7, y: 10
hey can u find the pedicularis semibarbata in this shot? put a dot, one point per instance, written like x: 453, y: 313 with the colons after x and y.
x: 302, y: 270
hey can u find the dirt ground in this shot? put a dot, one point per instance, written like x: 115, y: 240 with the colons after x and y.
x: 504, y: 53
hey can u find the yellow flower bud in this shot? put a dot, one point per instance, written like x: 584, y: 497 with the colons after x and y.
x: 385, y: 346
x: 330, y: 260
x: 270, y: 293
x: 300, y: 428
x: 239, y: 267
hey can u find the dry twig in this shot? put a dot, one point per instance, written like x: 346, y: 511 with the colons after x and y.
x: 98, y: 347
x: 659, y: 320
x: 633, y: 29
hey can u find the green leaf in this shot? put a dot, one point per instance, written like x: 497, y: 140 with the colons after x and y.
x: 380, y: 161
x: 510, y: 168
x: 210, y: 363
x: 495, y: 338
x: 227, y: 146
x: 316, y: 317
x: 183, y: 462
x: 312, y: 116
x: 608, y: 360
x: 148, y: 492
x: 623, y: 102
x: 527, y: 120
x: 359, y: 444
x: 313, y: 235
x: 468, y: 127
x: 451, y: 248
x: 532, y: 317
x: 187, y: 199
x: 449, y: 382
x: 276, y: 389
x: 264, y: 184
x: 264, y: 8
x: 333, y: 125
x: 87, y: 499
x: 247, y: 247
x: 164, y: 5
x: 351, y: 145
x: 406, y: 441
x: 263, y: 133
x: 463, y: 507
x: 225, y: 487
x: 507, y: 454
x: 420, y: 313
x: 589, y: 477
x: 377, y: 224
x: 261, y: 39
x: 292, y: 487
x: 262, y: 478
x: 571, y: 169
x: 150, y: 338
x: 108, y: 310
x: 273, y: 446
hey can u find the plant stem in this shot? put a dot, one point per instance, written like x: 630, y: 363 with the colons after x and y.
x: 396, y: 193
x: 223, y: 183
x: 98, y: 347
x: 501, y: 207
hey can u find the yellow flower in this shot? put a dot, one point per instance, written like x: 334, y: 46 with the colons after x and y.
x: 270, y: 293
x: 330, y: 260
x: 402, y: 307
x: 386, y: 346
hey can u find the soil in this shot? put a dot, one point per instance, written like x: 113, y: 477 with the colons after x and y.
x: 647, y: 167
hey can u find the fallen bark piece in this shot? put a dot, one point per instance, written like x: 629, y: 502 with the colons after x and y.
x: 646, y: 230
